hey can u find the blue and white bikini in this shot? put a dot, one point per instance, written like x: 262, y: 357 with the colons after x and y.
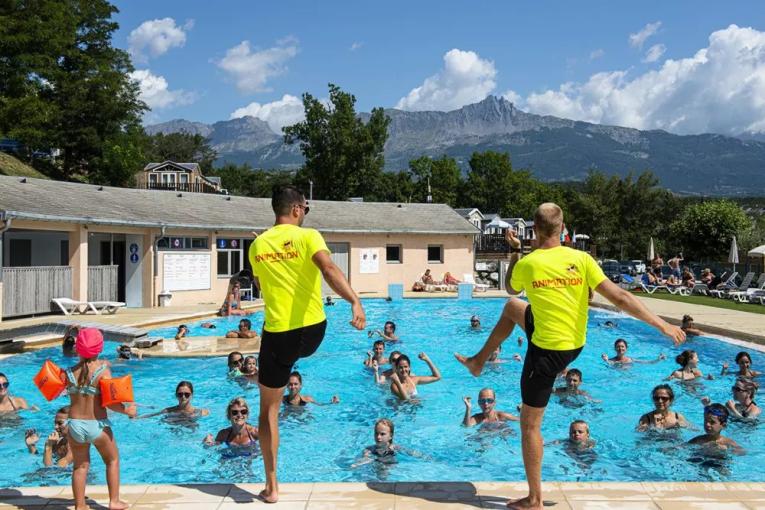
x: 85, y: 431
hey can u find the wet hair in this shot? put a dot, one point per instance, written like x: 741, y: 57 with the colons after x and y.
x: 621, y: 340
x: 392, y: 325
x: 494, y: 393
x: 182, y: 326
x: 394, y: 354
x: 401, y: 358
x: 743, y: 354
x: 687, y: 318
x: 4, y: 376
x: 749, y: 386
x: 684, y: 357
x: 575, y: 371
x: 475, y: 318
x: 241, y: 402
x: 246, y: 322
x: 378, y: 342
x: 548, y: 219
x: 248, y: 358
x: 580, y: 422
x: 665, y: 387
x: 232, y: 354
x: 283, y: 198
x: 186, y: 384
x: 295, y: 373
x: 64, y: 410
x: 387, y: 423
x: 718, y: 410
x: 124, y: 352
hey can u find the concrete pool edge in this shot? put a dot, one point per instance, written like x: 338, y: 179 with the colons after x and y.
x: 408, y: 495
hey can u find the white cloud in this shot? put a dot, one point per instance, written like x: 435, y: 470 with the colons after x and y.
x: 720, y: 89
x: 251, y: 70
x: 465, y: 78
x: 356, y: 45
x: 155, y: 93
x: 638, y: 39
x: 596, y: 54
x: 513, y: 97
x: 156, y: 37
x: 654, y: 53
x: 286, y: 111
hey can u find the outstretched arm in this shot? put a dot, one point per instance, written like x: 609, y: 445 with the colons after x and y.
x: 337, y: 282
x: 436, y: 375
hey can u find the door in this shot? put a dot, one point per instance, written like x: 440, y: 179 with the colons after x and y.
x: 341, y: 258
x: 134, y: 270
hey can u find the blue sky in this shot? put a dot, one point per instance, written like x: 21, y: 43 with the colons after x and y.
x: 637, y: 64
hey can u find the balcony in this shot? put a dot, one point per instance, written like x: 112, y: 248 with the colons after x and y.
x: 491, y: 243
x: 188, y: 187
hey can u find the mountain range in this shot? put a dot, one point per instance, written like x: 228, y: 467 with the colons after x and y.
x: 552, y: 148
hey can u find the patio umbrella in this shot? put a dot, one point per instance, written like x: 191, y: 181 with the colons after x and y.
x: 651, y: 250
x: 757, y: 252
x: 497, y: 222
x: 733, y: 254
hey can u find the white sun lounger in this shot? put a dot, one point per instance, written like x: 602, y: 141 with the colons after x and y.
x: 110, y: 307
x: 480, y: 287
x: 69, y: 306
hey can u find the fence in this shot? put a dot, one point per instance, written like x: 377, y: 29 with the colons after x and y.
x: 189, y: 187
x: 29, y: 290
x: 102, y: 283
x: 491, y: 243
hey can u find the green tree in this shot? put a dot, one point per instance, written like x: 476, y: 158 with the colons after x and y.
x: 444, y: 177
x: 704, y: 230
x: 182, y: 148
x: 244, y: 181
x: 62, y: 83
x: 343, y: 154
x: 122, y: 157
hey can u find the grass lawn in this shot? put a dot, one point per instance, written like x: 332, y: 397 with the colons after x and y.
x: 706, y: 300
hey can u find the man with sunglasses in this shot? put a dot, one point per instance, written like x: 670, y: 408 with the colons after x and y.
x: 487, y: 400
x: 288, y: 263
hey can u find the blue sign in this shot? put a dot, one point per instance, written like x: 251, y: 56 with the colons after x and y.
x: 134, y: 258
x: 133, y: 248
x: 221, y: 243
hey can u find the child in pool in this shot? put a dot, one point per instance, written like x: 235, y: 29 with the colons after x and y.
x: 383, y: 450
x: 571, y: 389
x: 377, y: 354
x: 250, y: 369
x: 579, y: 436
x: 715, y: 420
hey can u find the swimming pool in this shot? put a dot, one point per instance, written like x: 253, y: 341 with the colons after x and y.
x: 320, y: 443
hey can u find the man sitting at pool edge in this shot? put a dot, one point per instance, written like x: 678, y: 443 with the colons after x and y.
x: 244, y: 330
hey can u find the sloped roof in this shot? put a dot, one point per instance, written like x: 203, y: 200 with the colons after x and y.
x: 38, y: 199
x: 466, y: 211
x: 185, y: 166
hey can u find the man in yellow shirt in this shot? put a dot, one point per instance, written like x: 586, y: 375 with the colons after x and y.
x: 288, y: 262
x: 557, y: 281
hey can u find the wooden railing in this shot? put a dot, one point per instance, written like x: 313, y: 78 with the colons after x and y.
x: 29, y: 290
x: 102, y: 283
x: 187, y: 187
x: 491, y: 243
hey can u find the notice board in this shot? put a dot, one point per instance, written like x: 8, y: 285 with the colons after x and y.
x: 186, y: 271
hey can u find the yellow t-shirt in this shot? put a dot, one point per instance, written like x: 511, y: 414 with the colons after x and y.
x: 289, y: 279
x: 557, y: 282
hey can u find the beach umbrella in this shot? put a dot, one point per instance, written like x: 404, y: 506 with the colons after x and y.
x: 757, y: 252
x: 497, y: 222
x: 733, y: 254
x: 651, y: 250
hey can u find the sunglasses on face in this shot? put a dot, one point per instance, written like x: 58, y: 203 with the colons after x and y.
x: 5, y: 385
x: 235, y: 361
x: 738, y: 388
x: 239, y: 412
x: 660, y: 398
x: 482, y: 401
x: 61, y: 423
x: 183, y: 394
x: 305, y: 208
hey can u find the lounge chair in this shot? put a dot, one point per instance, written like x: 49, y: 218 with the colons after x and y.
x: 479, y: 287
x: 679, y: 290
x: 109, y: 307
x: 727, y: 285
x: 745, y: 283
x: 69, y: 306
x: 700, y: 288
x: 743, y: 296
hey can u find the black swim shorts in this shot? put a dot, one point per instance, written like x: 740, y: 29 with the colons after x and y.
x: 541, y: 367
x: 280, y: 351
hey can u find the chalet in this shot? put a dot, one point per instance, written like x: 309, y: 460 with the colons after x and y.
x: 172, y: 176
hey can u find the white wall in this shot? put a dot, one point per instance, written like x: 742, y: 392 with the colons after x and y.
x: 46, y: 246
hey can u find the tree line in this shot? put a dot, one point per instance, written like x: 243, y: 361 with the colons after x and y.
x: 64, y: 86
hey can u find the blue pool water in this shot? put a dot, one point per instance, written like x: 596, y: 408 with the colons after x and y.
x: 320, y: 443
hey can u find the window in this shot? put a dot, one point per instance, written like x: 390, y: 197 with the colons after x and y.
x: 435, y: 254
x: 184, y: 178
x: 230, y: 256
x: 183, y: 243
x: 152, y: 178
x: 64, y: 252
x: 393, y: 254
x: 20, y: 251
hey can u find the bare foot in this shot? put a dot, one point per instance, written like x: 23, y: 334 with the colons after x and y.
x: 268, y: 497
x: 524, y: 504
x: 470, y: 363
x: 118, y: 505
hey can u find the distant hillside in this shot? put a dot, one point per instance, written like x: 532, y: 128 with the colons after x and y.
x: 12, y: 166
x: 554, y: 149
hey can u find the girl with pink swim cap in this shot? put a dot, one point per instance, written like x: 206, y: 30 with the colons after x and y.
x: 88, y: 423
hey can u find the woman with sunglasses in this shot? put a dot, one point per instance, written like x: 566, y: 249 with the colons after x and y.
x: 742, y: 406
x: 240, y: 435
x: 487, y: 401
x: 184, y: 392
x: 662, y: 417
x: 8, y: 403
x: 235, y: 362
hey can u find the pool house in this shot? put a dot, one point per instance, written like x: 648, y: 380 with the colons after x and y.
x: 89, y: 242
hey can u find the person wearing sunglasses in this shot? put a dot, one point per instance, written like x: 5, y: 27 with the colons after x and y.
x: 240, y: 435
x: 662, y: 417
x: 475, y: 322
x: 243, y: 331
x: 184, y: 392
x: 487, y: 400
x: 742, y: 406
x: 56, y: 446
x: 288, y: 263
x: 235, y: 361
x: 8, y: 403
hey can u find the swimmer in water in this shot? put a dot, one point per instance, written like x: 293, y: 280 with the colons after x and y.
x: 328, y: 301
x: 182, y: 332
x: 244, y: 330
x: 377, y: 354
x: 184, y: 392
x: 383, y: 450
x: 662, y: 417
x: 56, y: 448
x: 742, y: 406
x: 235, y: 362
x: 688, y: 361
x: 240, y: 434
x: 487, y: 399
x: 208, y: 325
x: 388, y: 333
x: 744, y: 362
x: 295, y: 398
x: 475, y: 322
x: 382, y: 377
x: 715, y: 420
x: 621, y: 358
x: 609, y: 325
x: 579, y: 436
x: 250, y: 369
x: 404, y: 384
x: 571, y: 389
x: 689, y: 328
x: 494, y: 357
x: 8, y: 403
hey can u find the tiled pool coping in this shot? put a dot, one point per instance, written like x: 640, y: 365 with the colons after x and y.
x: 408, y: 495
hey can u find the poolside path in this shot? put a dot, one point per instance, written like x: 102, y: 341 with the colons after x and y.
x: 408, y: 495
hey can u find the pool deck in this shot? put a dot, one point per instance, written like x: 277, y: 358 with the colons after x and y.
x: 408, y: 495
